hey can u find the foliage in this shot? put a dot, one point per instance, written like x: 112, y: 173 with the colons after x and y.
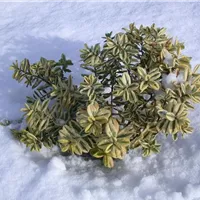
x: 123, y: 104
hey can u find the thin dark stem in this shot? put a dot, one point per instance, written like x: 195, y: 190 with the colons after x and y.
x: 111, y: 98
x: 49, y: 83
x: 47, y: 94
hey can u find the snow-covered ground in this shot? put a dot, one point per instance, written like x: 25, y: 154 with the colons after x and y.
x: 32, y: 30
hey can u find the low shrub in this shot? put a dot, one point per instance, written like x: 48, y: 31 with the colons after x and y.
x: 139, y: 85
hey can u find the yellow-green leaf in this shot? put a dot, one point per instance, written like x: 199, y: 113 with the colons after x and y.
x: 170, y: 116
x: 112, y: 127
x: 92, y: 110
x: 142, y: 72
x: 108, y: 161
x: 154, y: 85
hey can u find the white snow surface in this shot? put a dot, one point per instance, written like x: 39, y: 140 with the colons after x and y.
x: 33, y: 30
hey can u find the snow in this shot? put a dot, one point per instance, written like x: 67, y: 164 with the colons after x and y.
x: 169, y: 79
x: 46, y: 29
x: 168, y: 58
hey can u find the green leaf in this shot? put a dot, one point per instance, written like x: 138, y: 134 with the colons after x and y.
x: 118, y: 153
x: 143, y: 86
x: 132, y: 96
x: 108, y: 161
x: 142, y: 72
x: 196, y: 68
x: 175, y: 136
x: 126, y: 79
x: 162, y: 31
x: 97, y: 153
x: 92, y: 110
x: 112, y: 127
x: 105, y: 144
x: 154, y: 85
x: 103, y: 115
x: 170, y: 116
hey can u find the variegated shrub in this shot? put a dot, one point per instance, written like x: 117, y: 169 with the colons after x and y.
x: 140, y: 85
